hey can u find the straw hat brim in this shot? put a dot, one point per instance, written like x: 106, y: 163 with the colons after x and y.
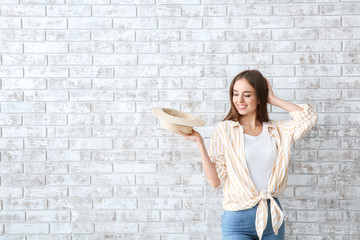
x: 173, y: 120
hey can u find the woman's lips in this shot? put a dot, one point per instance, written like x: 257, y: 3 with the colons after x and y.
x: 242, y: 107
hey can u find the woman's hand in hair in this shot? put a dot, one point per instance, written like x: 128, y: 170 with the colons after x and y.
x: 271, y: 95
x: 194, y: 136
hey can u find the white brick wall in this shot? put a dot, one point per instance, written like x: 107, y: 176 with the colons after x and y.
x: 82, y: 156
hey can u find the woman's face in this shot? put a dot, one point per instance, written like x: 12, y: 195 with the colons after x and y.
x: 244, y: 97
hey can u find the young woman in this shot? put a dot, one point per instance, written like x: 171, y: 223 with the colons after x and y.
x: 249, y: 155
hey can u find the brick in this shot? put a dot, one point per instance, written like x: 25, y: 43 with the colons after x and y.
x: 318, y: 70
x: 116, y: 107
x: 24, y: 204
x: 113, y: 35
x: 11, y: 144
x: 92, y: 23
x: 181, y: 47
x: 116, y: 228
x: 124, y: 167
x: 12, y: 216
x: 180, y: 191
x: 319, y: 216
x: 113, y: 132
x: 90, y: 167
x: 45, y: 167
x: 94, y: 216
x: 24, y: 132
x: 274, y: 22
x: 134, y: 23
x: 115, y: 204
x: 182, y: 22
x: 11, y: 72
x: 339, y: 9
x: 250, y: 58
x: 92, y: 47
x: 77, y: 2
x: 176, y: 215
x: 67, y: 35
x: 159, y: 11
x: 333, y: 228
x: 296, y: 9
x: 318, y: 45
x: 158, y: 35
x: 27, y: 59
x: 22, y: 180
x: 203, y: 11
x: 94, y: 95
x: 138, y: 95
x: 314, y: 192
x: 260, y: 47
x: 136, y: 71
x: 70, y: 204
x: 70, y: 11
x: 68, y: 107
x: 11, y: 192
x: 133, y: 216
x: 46, y: 47
x: 91, y: 72
x: 136, y: 191
x: 316, y: 168
x: 196, y: 226
x: 203, y: 35
x: 22, y: 35
x: 252, y: 34
x: 90, y: 192
x: 350, y: 21
x: 11, y: 95
x: 27, y: 228
x: 113, y: 179
x: 339, y: 33
x: 10, y: 47
x: 120, y: 155
x: 292, y: 34
x: 46, y: 71
x: 67, y: 180
x: 10, y: 23
x: 114, y: 11
x: 22, y: 11
x: 351, y: 70
x: 67, y: 228
x: 162, y: 227
x: 44, y: 23
x: 317, y: 21
x: 349, y: 58
x: 45, y: 192
x: 89, y: 119
x: 69, y: 83
x: 156, y: 179
x: 136, y: 47
x: 249, y: 10
x: 48, y: 216
x: 42, y: 2
x: 48, y: 119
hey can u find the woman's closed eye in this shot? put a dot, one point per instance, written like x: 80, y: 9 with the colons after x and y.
x: 244, y: 95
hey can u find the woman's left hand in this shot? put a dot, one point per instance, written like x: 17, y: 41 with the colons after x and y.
x: 271, y: 95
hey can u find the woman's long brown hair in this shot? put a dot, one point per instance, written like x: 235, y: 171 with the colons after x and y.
x: 258, y: 82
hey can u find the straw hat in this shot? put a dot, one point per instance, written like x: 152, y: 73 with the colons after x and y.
x: 174, y: 120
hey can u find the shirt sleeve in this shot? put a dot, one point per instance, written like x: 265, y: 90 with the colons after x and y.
x: 216, y: 155
x: 302, y: 121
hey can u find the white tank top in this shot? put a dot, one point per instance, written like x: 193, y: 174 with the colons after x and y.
x: 260, y: 155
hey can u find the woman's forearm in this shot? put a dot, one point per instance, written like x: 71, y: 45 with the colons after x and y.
x: 288, y: 106
x: 209, y: 167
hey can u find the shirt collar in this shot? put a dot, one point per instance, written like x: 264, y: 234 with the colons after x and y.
x: 237, y: 124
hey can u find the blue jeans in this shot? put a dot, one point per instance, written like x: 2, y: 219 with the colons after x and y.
x: 240, y: 225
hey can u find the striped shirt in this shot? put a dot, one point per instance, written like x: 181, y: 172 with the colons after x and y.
x: 226, y: 151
